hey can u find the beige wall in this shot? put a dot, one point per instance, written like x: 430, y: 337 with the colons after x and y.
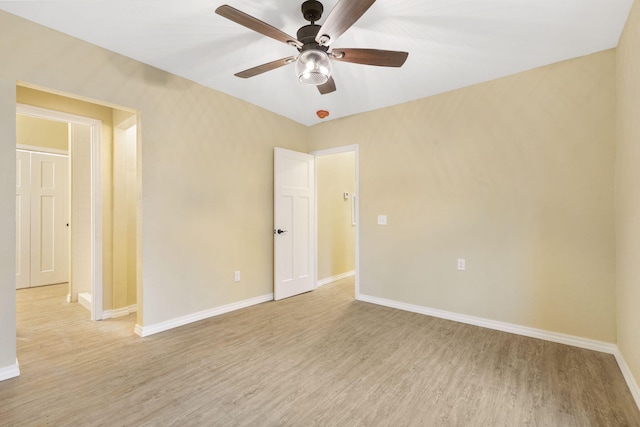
x: 336, y: 234
x: 628, y: 192
x: 206, y: 165
x: 39, y: 132
x: 124, y: 202
x: 515, y: 176
x: 81, y: 242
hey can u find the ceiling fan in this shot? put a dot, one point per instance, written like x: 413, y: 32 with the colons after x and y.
x: 313, y: 64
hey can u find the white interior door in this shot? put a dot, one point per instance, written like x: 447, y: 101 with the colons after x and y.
x: 294, y: 221
x: 49, y: 219
x: 23, y: 219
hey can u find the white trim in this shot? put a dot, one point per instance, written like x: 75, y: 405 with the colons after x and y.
x: 128, y: 123
x: 601, y: 346
x: 96, y: 217
x: 85, y: 300
x: 138, y: 331
x: 119, y: 312
x: 628, y: 376
x: 355, y: 148
x: 96, y: 195
x: 10, y: 371
x: 335, y: 278
x: 37, y: 149
x: 145, y: 331
x: 54, y: 115
x: 353, y: 209
x: 336, y: 150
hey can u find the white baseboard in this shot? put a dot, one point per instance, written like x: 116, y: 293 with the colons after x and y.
x: 628, y: 376
x: 84, y: 299
x: 119, y: 312
x: 586, y: 343
x: 145, y: 331
x: 138, y: 330
x: 589, y: 344
x: 11, y: 371
x: 332, y: 279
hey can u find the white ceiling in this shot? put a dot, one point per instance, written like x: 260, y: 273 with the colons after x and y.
x: 451, y: 44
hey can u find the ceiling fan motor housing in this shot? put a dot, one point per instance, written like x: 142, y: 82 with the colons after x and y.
x: 307, y: 36
x: 312, y: 10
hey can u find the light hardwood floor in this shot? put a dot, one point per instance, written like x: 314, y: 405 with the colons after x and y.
x: 317, y: 359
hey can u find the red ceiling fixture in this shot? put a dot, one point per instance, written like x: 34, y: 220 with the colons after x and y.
x: 322, y: 113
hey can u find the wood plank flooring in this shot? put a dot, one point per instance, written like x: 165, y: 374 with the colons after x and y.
x: 317, y: 359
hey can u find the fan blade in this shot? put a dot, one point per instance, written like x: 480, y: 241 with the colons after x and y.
x: 341, y: 18
x: 381, y: 58
x: 256, y: 25
x: 328, y: 87
x: 265, y: 67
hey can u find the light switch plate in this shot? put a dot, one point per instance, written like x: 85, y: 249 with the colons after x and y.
x: 382, y: 220
x: 462, y: 264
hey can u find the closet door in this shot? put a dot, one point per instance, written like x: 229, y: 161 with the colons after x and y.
x: 49, y: 219
x: 23, y: 219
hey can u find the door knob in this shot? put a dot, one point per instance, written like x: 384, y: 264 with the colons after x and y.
x: 279, y: 231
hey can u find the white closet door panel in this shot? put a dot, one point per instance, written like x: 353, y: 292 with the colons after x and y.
x: 49, y: 219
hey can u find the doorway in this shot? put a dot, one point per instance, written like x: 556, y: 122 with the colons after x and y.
x: 313, y: 236
x: 85, y: 237
x: 337, y: 228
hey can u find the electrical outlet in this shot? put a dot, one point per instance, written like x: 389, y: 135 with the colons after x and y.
x: 236, y: 276
x: 462, y: 265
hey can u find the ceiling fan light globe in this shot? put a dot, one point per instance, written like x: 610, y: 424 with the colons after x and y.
x: 313, y: 67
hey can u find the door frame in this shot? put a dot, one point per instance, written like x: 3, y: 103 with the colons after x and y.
x: 96, y: 196
x: 356, y: 214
